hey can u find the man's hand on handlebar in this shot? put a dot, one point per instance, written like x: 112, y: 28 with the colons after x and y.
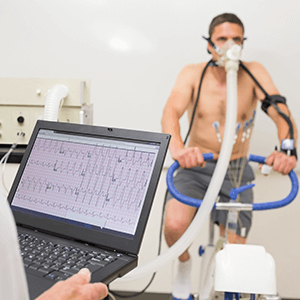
x: 281, y: 163
x: 188, y: 157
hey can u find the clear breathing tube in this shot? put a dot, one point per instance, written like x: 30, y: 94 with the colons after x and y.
x: 191, y: 233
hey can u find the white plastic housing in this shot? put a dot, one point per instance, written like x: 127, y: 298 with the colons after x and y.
x: 245, y: 269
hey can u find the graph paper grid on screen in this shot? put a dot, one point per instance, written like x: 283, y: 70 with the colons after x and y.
x: 96, y: 181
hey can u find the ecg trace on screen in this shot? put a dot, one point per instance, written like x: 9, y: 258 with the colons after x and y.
x: 98, y: 184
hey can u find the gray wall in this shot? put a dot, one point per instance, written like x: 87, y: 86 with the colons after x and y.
x: 133, y: 50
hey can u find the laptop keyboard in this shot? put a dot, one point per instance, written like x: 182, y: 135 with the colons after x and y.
x: 58, y: 262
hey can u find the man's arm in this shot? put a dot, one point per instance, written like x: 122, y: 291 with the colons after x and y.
x: 280, y: 161
x: 175, y: 107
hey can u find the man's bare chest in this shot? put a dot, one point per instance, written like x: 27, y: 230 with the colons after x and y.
x: 213, y: 95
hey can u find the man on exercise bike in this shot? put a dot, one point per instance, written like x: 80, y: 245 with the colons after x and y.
x: 192, y: 179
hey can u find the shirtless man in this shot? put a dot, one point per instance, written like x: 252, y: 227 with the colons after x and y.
x: 212, y: 107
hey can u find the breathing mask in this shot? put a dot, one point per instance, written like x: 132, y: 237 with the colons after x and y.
x: 229, y: 51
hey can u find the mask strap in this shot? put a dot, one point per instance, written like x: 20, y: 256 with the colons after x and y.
x: 209, y: 41
x: 217, y: 49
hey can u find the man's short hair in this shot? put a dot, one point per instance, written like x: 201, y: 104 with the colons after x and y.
x: 220, y: 19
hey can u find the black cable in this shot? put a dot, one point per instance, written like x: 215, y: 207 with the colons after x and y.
x: 286, y: 118
x: 136, y: 294
x: 153, y: 276
x: 210, y: 63
x: 159, y: 250
x: 254, y: 79
x: 280, y: 112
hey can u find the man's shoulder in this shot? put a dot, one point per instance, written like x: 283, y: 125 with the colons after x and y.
x: 254, y: 66
x: 193, y: 69
x: 263, y: 77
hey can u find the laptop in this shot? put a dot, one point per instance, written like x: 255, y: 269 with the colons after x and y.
x: 81, y: 198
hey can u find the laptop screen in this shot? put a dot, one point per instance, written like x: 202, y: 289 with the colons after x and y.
x: 88, y: 181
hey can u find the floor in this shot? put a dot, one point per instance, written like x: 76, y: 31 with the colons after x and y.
x: 144, y: 296
x: 152, y: 296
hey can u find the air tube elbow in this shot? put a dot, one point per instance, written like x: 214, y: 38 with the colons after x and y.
x: 54, y: 97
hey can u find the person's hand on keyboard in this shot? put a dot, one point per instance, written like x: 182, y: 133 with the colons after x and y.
x: 77, y: 287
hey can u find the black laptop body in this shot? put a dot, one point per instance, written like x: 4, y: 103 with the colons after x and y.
x: 82, y: 197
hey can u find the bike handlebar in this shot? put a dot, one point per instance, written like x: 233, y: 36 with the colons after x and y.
x: 180, y: 197
x: 280, y: 203
x: 255, y: 206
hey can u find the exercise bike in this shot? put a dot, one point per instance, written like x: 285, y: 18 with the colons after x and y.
x: 236, y: 269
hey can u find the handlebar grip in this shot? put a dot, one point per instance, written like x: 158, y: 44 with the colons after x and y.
x: 257, y: 158
x: 208, y: 156
x: 182, y: 198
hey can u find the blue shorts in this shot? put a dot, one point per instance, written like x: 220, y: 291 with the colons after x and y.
x: 194, y: 183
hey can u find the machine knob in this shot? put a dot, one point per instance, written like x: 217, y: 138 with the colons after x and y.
x: 21, y: 119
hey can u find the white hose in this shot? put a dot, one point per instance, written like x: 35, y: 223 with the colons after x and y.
x: 213, y: 189
x: 54, y: 97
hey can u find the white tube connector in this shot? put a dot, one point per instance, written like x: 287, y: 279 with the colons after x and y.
x: 234, y: 52
x: 266, y: 169
x: 53, y: 100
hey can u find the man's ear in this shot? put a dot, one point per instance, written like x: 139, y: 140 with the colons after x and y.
x: 208, y: 48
